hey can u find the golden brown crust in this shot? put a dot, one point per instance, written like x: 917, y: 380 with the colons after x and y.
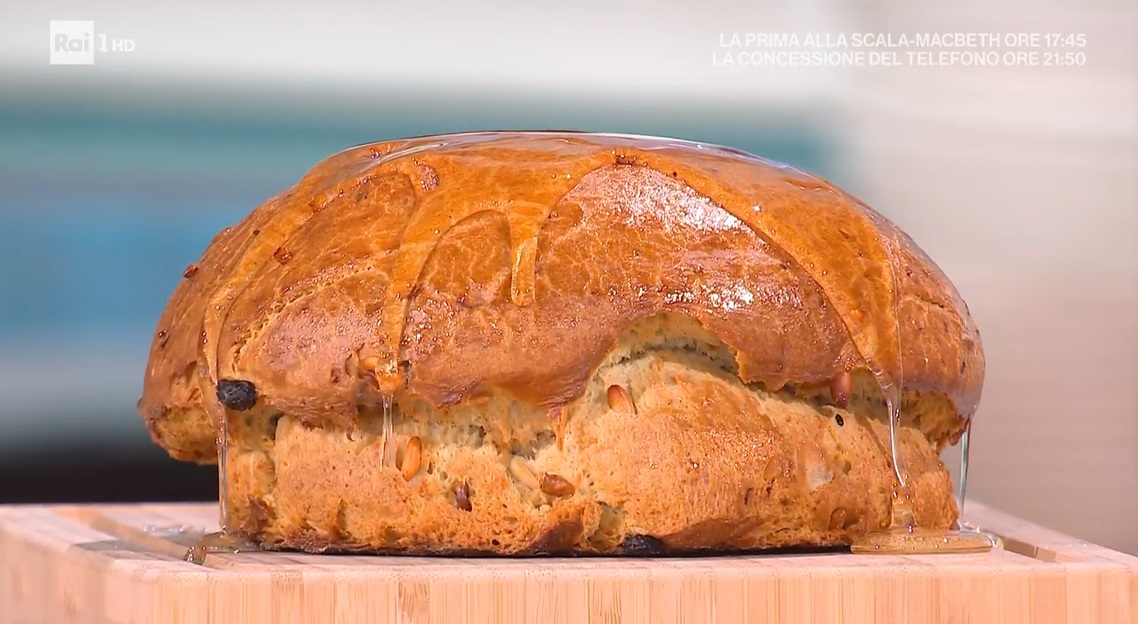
x: 549, y: 313
x: 513, y: 260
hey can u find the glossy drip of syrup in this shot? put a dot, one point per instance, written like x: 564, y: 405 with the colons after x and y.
x: 387, y: 448
x: 220, y: 541
x: 963, y: 526
x: 903, y: 536
x: 962, y: 481
x: 222, y: 472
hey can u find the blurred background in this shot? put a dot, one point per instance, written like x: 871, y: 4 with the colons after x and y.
x: 1021, y: 181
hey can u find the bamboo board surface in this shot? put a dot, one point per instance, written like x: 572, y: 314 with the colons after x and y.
x: 107, y: 563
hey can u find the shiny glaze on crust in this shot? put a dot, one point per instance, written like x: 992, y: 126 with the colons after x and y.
x: 515, y: 259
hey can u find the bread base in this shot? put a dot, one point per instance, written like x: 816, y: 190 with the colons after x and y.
x: 695, y: 461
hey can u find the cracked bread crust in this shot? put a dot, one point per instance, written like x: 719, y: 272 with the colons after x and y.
x: 462, y: 276
x: 682, y: 457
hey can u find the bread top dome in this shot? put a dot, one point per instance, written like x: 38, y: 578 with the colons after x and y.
x: 444, y: 265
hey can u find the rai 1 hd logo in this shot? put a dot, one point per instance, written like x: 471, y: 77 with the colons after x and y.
x: 75, y: 42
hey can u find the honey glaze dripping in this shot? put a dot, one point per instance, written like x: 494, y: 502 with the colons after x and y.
x: 220, y: 541
x: 961, y: 490
x: 903, y: 536
x: 449, y: 204
x: 222, y: 472
x: 387, y: 445
x: 962, y: 480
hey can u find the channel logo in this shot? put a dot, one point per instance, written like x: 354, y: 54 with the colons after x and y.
x: 75, y: 42
x: 72, y: 42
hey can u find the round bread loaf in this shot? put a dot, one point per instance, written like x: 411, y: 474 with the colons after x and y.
x: 558, y: 342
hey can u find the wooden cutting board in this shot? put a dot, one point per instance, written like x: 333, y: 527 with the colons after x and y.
x: 122, y: 564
